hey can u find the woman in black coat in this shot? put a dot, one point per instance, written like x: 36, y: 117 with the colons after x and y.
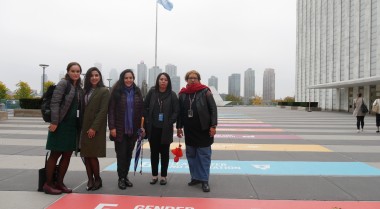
x: 161, y: 111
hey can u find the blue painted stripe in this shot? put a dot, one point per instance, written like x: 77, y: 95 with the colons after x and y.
x: 272, y: 168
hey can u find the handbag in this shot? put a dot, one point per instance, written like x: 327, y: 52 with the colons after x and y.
x: 375, y: 108
x: 364, y: 107
x: 42, y: 175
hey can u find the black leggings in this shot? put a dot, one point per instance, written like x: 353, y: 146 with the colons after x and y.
x: 377, y: 120
x: 360, y: 122
x: 157, y: 148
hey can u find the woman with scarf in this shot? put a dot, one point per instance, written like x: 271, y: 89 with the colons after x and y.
x: 124, y: 118
x: 198, y: 117
x: 161, y: 111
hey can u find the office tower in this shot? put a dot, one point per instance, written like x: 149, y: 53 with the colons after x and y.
x: 269, y: 85
x: 171, y: 70
x: 234, y: 84
x: 153, y: 73
x: 114, y: 75
x: 176, y: 83
x: 249, y: 84
x: 213, y: 81
x: 141, y: 74
x: 337, y: 52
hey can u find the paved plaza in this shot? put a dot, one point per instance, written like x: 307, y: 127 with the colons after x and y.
x: 263, y: 158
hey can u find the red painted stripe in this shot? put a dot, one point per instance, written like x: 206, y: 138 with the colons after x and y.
x: 98, y: 201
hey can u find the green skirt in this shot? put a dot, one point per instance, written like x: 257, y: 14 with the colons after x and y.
x: 65, y: 136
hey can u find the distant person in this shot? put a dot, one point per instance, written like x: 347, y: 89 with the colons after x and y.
x: 358, y: 113
x: 124, y: 120
x: 63, y: 136
x: 93, y: 137
x: 161, y: 111
x: 198, y: 116
x: 377, y: 102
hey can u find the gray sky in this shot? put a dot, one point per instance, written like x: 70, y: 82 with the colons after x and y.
x: 215, y: 37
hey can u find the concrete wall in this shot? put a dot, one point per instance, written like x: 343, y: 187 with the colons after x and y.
x: 27, y: 113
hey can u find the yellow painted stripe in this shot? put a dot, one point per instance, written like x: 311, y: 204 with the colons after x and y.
x: 250, y: 129
x: 259, y: 147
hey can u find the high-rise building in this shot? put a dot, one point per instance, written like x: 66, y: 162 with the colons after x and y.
x: 176, y: 83
x: 171, y: 70
x: 213, y: 81
x: 249, y: 83
x: 141, y: 73
x: 114, y: 75
x: 234, y: 84
x: 337, y: 52
x: 269, y: 85
x: 153, y: 73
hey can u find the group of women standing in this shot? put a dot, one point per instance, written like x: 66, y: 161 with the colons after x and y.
x: 79, y: 121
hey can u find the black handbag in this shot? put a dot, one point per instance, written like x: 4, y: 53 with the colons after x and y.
x: 364, y: 107
x: 42, y: 175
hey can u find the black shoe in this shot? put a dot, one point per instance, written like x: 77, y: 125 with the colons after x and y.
x: 205, y: 187
x: 121, y: 184
x: 194, y: 182
x: 153, y: 181
x: 163, y: 181
x: 128, y: 183
x: 90, y: 184
x: 97, y: 185
x: 377, y: 131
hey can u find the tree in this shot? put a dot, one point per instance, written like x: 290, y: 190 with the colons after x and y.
x: 234, y: 99
x: 3, y: 91
x: 47, y: 84
x: 289, y: 99
x: 23, y: 91
x: 257, y: 100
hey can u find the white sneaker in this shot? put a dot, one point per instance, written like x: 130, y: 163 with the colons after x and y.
x: 358, y: 131
x: 362, y: 130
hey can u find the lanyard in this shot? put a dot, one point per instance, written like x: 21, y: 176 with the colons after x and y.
x: 160, y: 103
x: 191, y: 100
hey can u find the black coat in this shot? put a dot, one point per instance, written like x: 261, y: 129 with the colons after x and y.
x: 170, y: 109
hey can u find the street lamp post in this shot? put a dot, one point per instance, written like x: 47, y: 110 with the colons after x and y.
x: 109, y: 83
x: 43, y: 76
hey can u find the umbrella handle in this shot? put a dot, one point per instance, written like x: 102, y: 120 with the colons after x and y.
x: 142, y: 122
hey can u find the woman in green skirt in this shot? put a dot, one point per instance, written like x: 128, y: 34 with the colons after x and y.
x: 66, y: 109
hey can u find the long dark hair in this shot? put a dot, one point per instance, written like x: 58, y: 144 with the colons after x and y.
x: 118, y: 87
x: 87, y: 79
x: 67, y: 77
x: 169, y: 87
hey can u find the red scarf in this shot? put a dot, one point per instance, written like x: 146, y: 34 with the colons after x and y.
x: 192, y: 88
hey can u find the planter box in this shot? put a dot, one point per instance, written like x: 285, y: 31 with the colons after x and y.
x: 27, y: 113
x: 3, y: 115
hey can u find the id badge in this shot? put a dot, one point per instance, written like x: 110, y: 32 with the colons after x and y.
x: 77, y: 113
x: 190, y: 113
x: 161, y: 117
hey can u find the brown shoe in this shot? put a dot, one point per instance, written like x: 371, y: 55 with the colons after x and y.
x: 50, y: 190
x: 63, y: 188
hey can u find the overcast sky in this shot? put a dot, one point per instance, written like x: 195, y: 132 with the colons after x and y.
x: 215, y: 37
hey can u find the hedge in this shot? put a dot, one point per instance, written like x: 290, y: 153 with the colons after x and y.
x: 34, y: 103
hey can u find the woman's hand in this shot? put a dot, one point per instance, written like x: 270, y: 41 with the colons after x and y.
x: 113, y: 132
x: 52, y: 127
x: 91, y: 133
x: 143, y: 132
x: 179, y: 133
x: 212, y: 131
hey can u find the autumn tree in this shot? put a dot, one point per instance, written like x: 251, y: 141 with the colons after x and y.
x: 3, y: 91
x: 234, y: 99
x: 257, y: 100
x: 23, y: 91
x: 47, y: 84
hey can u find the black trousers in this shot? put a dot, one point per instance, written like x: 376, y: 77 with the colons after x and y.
x: 157, y: 148
x: 377, y: 119
x: 360, y: 122
x: 124, y: 150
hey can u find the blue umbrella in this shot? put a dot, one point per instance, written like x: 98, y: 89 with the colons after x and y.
x: 139, y: 149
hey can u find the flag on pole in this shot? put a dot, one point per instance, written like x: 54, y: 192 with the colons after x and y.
x: 166, y: 4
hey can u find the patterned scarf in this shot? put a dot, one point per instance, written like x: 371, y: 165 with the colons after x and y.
x: 129, y: 106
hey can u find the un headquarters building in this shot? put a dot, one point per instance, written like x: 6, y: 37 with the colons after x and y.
x: 338, y: 52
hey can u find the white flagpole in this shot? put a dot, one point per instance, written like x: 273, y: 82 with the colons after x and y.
x: 155, y: 50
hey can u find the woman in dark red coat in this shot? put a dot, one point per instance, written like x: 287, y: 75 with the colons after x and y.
x: 124, y: 118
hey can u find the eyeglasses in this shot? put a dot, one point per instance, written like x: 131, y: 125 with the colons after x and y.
x: 192, y: 78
